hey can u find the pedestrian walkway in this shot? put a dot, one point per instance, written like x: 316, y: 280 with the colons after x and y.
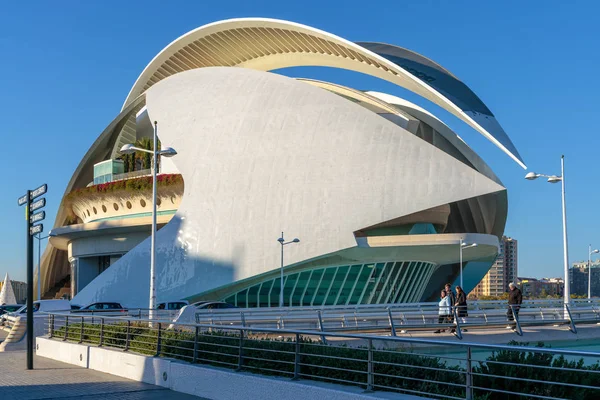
x: 55, y: 380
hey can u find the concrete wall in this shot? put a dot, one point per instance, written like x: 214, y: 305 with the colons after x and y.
x: 208, y: 382
x: 261, y: 153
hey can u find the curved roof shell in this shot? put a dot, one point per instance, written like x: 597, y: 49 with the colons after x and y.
x: 268, y: 44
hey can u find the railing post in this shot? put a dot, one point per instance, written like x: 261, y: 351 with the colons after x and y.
x: 66, y: 328
x: 320, y: 321
x: 128, y: 335
x: 81, y: 331
x: 458, y: 330
x: 101, y: 332
x: 392, y: 327
x: 297, y: 359
x: 51, y: 325
x: 158, y: 341
x: 370, y: 366
x: 518, y: 329
x: 195, y: 357
x: 573, y: 328
x: 241, y: 351
x: 469, y: 377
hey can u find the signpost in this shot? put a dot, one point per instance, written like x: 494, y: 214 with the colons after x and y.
x: 32, y: 230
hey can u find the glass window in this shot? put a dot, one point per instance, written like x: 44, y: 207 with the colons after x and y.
x: 253, y: 296
x: 373, y: 280
x: 274, y: 297
x: 311, y: 288
x: 324, y: 287
x: 336, y: 285
x: 288, y: 287
x: 264, y: 294
x: 348, y: 284
x: 300, y: 286
x: 242, y: 299
x: 362, y: 281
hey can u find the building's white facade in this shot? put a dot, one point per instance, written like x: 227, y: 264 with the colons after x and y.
x: 379, y: 191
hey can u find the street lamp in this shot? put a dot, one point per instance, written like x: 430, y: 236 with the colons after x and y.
x: 165, y: 152
x: 590, y: 270
x: 39, y: 238
x: 282, y: 241
x: 555, y: 179
x: 461, y: 247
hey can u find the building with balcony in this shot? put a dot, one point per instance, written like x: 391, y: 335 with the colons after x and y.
x: 502, y: 273
x: 579, y: 276
x: 379, y: 190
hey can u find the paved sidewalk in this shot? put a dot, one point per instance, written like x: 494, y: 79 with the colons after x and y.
x: 55, y: 380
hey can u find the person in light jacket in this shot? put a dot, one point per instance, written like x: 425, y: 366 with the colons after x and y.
x: 444, y: 310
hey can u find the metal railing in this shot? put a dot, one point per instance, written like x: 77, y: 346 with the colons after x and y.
x: 455, y: 370
x: 395, y: 318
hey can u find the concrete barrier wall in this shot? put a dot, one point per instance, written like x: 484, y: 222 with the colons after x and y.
x: 208, y: 382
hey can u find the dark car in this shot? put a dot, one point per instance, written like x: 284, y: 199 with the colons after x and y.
x: 100, y: 306
x: 214, y: 305
x: 8, y: 308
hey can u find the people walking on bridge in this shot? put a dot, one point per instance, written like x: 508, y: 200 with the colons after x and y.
x: 460, y: 303
x: 515, y: 298
x: 445, y: 308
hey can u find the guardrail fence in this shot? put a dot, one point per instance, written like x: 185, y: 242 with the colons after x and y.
x: 430, y: 368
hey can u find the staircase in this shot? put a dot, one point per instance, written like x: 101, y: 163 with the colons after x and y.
x: 57, y: 291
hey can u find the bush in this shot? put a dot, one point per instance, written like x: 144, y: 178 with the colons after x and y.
x: 393, y: 370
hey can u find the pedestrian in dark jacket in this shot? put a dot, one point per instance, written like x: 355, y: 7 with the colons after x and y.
x: 515, y: 298
x: 452, y: 296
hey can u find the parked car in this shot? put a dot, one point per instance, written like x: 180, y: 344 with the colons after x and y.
x: 172, y: 305
x: 9, y: 308
x: 40, y: 305
x: 214, y: 305
x: 100, y: 306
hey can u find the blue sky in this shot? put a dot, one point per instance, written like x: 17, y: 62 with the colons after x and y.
x: 67, y: 67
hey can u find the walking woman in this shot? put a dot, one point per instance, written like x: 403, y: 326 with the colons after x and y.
x: 461, y: 304
x: 444, y: 310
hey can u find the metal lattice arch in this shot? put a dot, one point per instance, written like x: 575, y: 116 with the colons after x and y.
x: 269, y: 44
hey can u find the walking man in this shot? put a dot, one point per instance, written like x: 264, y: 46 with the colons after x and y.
x: 515, y: 298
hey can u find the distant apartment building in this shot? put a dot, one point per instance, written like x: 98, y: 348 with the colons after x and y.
x: 578, y: 278
x: 20, y: 289
x: 503, y: 272
x: 537, y: 288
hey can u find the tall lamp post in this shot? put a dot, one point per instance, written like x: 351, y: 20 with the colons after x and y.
x: 555, y: 179
x: 462, y: 245
x: 282, y: 241
x: 596, y: 251
x: 39, y: 238
x: 165, y: 152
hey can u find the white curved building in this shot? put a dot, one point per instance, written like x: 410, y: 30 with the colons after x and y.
x: 379, y: 191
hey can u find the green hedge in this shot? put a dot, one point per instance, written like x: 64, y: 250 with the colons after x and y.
x: 393, y: 369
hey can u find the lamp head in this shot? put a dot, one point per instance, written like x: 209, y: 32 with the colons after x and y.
x: 531, y: 176
x: 554, y: 179
x: 168, y: 152
x: 296, y: 240
x: 595, y: 251
x: 280, y: 240
x: 128, y: 149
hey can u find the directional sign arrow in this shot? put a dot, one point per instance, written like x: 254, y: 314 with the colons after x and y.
x: 37, y: 217
x: 22, y: 200
x: 38, y: 192
x: 37, y: 204
x: 34, y: 230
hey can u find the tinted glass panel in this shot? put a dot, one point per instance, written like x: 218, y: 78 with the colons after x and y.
x: 336, y: 286
x: 311, y: 289
x: 300, y: 286
x: 349, y: 284
x: 264, y: 294
x: 324, y: 286
x: 363, y: 279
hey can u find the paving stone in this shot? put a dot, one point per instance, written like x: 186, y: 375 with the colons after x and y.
x: 55, y: 380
